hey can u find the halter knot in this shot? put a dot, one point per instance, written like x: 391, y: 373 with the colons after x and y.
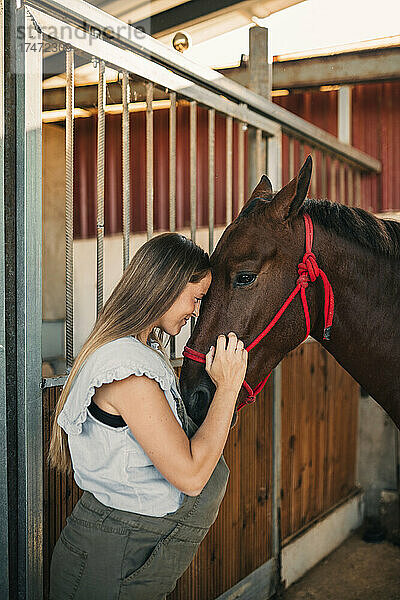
x: 308, y: 270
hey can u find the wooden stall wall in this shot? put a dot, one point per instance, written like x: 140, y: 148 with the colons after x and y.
x: 319, y: 423
x: 319, y: 436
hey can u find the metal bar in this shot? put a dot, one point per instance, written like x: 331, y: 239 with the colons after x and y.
x: 350, y: 187
x: 4, y: 509
x: 126, y: 194
x: 274, y: 161
x: 141, y: 48
x: 211, y: 178
x: 358, y: 188
x: 172, y: 162
x: 333, y: 180
x: 28, y: 248
x: 314, y: 175
x: 193, y: 169
x: 172, y: 187
x: 49, y: 382
x: 301, y: 153
x: 324, y: 177
x: 69, y: 210
x: 291, y: 158
x: 342, y: 197
x: 229, y: 168
x: 241, y: 127
x: 149, y: 159
x: 259, y: 153
x: 276, y: 460
x: 101, y: 102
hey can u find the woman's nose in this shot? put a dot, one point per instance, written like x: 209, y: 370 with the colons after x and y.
x: 196, y: 309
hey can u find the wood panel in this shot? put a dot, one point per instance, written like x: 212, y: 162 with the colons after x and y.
x: 319, y: 436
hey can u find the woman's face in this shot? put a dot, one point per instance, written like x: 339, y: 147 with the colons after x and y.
x: 185, y: 306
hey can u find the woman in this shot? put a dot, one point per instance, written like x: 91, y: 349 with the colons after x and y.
x: 153, y: 484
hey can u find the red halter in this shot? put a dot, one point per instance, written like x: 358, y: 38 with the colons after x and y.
x: 308, y: 271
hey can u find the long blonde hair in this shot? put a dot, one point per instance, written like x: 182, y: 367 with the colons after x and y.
x: 155, y: 277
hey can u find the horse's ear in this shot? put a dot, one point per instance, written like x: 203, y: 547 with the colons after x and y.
x: 263, y: 189
x: 287, y: 202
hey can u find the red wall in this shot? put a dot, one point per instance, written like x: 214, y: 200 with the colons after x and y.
x: 85, y: 172
x: 375, y: 130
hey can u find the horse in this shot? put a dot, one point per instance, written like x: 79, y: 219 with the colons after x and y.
x: 348, y: 275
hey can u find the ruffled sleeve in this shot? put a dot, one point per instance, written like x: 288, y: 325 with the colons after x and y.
x: 112, y: 362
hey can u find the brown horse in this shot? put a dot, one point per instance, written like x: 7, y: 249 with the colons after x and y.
x: 254, y: 271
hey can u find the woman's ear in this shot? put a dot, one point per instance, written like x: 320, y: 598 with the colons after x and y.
x: 287, y: 202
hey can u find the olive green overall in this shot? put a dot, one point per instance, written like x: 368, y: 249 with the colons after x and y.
x: 109, y: 554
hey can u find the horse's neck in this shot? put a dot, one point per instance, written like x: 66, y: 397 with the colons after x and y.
x: 366, y: 326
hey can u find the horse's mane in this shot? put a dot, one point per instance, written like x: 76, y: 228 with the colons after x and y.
x: 382, y: 236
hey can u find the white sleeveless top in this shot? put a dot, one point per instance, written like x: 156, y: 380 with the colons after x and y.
x: 108, y: 461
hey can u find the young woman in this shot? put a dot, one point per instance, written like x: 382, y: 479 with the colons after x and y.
x: 153, y: 483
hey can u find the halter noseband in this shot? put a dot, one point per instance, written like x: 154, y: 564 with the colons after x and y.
x: 308, y: 271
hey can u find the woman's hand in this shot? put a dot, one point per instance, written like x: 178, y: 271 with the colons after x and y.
x: 227, y: 364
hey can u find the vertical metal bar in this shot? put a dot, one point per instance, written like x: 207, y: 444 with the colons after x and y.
x: 342, y: 198
x: 172, y: 162
x: 314, y: 175
x: 172, y: 186
x: 324, y: 180
x: 193, y: 169
x: 358, y: 188
x: 259, y: 153
x: 241, y: 128
x: 4, y: 537
x: 193, y: 179
x: 29, y: 308
x: 274, y: 160
x: 149, y: 159
x: 229, y: 168
x: 350, y: 187
x: 211, y: 177
x: 291, y: 158
x: 276, y: 459
x: 126, y: 195
x: 69, y: 211
x: 301, y: 153
x: 333, y: 180
x: 101, y: 103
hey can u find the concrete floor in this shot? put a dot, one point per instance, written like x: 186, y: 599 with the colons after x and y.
x: 354, y: 571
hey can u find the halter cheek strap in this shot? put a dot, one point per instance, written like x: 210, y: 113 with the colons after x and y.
x: 308, y: 271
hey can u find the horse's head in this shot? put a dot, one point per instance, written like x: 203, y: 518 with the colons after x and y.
x: 254, y: 270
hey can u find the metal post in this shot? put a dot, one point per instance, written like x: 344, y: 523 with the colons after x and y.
x: 172, y: 162
x: 193, y: 169
x: 260, y: 81
x: 350, y: 187
x: 149, y: 160
x: 324, y: 181
x: 241, y: 128
x: 342, y: 198
x: 23, y: 174
x: 332, y: 191
x: 314, y: 175
x: 344, y: 114
x: 4, y: 537
x: 229, y: 159
x: 101, y: 102
x: 211, y: 177
x: 291, y: 158
x: 274, y: 160
x: 276, y: 464
x: 69, y: 211
x: 358, y: 188
x: 126, y: 195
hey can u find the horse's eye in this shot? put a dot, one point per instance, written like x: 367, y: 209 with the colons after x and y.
x: 243, y: 279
